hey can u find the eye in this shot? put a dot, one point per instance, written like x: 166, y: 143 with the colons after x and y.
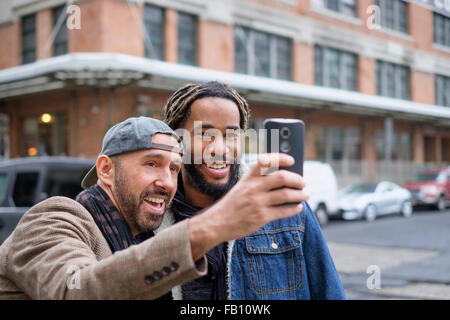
x: 206, y: 134
x: 174, y: 169
x: 151, y: 164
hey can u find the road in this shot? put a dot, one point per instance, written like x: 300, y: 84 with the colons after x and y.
x: 393, y: 257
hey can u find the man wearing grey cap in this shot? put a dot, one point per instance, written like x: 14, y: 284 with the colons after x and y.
x: 106, y: 244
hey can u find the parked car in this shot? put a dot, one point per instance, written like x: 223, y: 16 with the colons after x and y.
x: 27, y: 181
x: 321, y: 184
x: 431, y: 187
x: 369, y: 200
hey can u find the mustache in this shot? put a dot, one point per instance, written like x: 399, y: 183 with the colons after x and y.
x: 225, y: 159
x: 158, y: 193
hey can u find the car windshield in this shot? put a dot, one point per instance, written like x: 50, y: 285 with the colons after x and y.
x: 361, y: 188
x: 425, y: 176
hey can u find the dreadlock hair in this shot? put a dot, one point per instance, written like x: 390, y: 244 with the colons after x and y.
x: 178, y: 107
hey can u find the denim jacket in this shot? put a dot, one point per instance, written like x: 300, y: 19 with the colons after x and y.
x: 285, y: 259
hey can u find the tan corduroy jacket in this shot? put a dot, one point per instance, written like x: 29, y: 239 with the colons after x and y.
x: 58, y: 252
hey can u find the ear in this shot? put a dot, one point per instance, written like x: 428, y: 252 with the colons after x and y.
x: 105, y: 170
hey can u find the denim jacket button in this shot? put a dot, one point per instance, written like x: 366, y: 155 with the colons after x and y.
x: 274, y: 245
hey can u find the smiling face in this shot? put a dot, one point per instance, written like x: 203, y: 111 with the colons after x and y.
x: 145, y: 183
x: 215, y: 145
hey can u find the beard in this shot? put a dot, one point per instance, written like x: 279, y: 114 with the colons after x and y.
x: 130, y: 204
x: 216, y: 190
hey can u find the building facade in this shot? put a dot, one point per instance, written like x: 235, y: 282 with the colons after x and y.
x: 370, y: 78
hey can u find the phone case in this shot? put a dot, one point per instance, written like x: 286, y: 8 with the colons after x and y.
x: 289, y: 138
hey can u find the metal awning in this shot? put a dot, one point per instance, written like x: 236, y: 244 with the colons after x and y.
x: 116, y: 70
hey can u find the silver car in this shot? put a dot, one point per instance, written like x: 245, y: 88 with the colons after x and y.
x: 369, y: 200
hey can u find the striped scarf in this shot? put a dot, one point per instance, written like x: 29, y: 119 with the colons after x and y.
x: 110, y: 221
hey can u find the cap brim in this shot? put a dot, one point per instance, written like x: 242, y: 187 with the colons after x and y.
x: 90, y: 178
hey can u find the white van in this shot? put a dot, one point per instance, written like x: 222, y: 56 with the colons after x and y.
x: 321, y: 185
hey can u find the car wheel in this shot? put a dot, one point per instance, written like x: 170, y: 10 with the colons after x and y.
x: 441, y: 204
x: 322, y: 215
x: 407, y: 209
x: 370, y: 213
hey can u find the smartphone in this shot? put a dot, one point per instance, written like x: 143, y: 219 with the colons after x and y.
x: 286, y: 136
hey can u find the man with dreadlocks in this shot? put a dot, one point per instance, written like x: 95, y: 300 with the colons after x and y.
x: 286, y: 258
x: 109, y: 242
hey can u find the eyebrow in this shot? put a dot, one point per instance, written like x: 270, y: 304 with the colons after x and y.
x: 208, y: 126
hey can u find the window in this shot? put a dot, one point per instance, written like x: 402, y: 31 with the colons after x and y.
x: 347, y: 7
x: 60, y: 42
x: 262, y: 47
x: 394, y: 14
x: 25, y: 188
x: 154, y: 37
x: 334, y: 143
x: 392, y: 80
x: 3, y: 187
x: 262, y: 54
x: 42, y: 138
x: 442, y: 90
x: 335, y: 68
x: 187, y: 39
x: 29, y: 38
x: 64, y: 182
x: 441, y: 29
x: 401, y: 146
x: 4, y: 136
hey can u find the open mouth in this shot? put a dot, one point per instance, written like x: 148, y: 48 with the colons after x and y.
x: 155, y: 204
x: 217, y: 170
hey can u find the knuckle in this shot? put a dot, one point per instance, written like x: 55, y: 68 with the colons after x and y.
x: 286, y: 193
x: 282, y: 176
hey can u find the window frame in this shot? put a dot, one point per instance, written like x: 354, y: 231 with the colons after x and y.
x: 394, y: 15
x: 440, y: 36
x: 61, y: 38
x: 338, y: 143
x: 191, y: 48
x: 442, y: 95
x: 247, y: 58
x: 388, y: 76
x: 26, y: 33
x: 323, y: 57
x: 157, y: 43
x: 338, y: 6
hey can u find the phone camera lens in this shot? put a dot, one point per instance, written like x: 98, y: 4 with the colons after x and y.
x: 285, y: 132
x: 285, y: 146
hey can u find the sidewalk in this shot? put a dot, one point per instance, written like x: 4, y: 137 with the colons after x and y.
x: 404, y: 273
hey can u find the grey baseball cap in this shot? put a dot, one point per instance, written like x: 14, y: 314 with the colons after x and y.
x: 131, y: 135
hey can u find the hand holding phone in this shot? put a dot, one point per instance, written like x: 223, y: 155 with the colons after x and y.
x: 286, y: 136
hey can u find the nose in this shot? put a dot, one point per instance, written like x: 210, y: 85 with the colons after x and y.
x: 219, y: 148
x: 165, y: 180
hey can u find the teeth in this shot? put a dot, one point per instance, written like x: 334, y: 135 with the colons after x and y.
x: 156, y: 200
x: 217, y: 166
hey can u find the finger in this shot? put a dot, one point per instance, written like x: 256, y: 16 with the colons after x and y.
x: 271, y: 160
x: 282, y: 178
x: 285, y: 195
x: 276, y: 213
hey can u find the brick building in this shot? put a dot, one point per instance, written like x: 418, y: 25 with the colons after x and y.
x: 370, y: 78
